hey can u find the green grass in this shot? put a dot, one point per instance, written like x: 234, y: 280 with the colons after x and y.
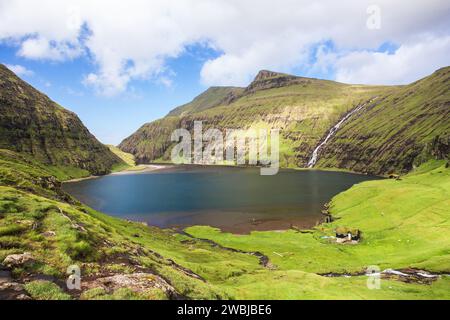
x: 128, y: 158
x: 128, y: 163
x: 404, y: 223
x: 212, y: 97
x: 45, y: 290
x: 26, y: 173
x: 104, y: 238
x: 123, y: 294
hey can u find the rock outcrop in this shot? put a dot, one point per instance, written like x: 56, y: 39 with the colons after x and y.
x: 268, y: 80
x: 139, y: 282
x: 18, y: 260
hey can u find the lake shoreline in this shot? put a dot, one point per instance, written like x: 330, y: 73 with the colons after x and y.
x: 146, y: 168
x: 248, y: 201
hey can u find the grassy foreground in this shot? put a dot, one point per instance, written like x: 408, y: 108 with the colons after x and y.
x: 404, y: 223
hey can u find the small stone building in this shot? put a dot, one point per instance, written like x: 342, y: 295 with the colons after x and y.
x: 344, y: 234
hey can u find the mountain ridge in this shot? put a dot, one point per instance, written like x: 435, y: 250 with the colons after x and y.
x: 304, y: 109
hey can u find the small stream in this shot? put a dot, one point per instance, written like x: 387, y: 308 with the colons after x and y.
x: 405, y: 275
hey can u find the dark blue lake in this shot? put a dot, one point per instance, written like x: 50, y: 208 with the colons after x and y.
x: 233, y: 199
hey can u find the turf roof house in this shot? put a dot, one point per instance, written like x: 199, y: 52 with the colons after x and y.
x: 344, y: 234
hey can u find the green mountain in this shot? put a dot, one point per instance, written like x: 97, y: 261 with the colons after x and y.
x: 397, y: 132
x: 32, y: 124
x: 306, y: 109
x: 302, y: 108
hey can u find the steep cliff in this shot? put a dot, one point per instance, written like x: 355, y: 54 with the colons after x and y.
x: 32, y: 123
x: 397, y: 132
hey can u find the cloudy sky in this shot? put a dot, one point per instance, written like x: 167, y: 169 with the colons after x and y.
x: 119, y: 64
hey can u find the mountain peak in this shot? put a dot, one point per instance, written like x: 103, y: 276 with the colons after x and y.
x: 267, y: 74
x: 266, y: 79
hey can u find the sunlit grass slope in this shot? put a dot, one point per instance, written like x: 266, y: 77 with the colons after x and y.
x: 405, y: 224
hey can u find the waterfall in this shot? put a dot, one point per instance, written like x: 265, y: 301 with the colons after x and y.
x: 331, y: 133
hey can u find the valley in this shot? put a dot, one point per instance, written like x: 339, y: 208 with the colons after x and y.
x: 401, y: 131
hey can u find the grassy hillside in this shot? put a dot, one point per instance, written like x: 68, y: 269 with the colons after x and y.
x: 398, y: 128
x: 59, y: 232
x: 405, y: 224
x: 303, y: 108
x: 397, y: 133
x: 24, y: 172
x: 126, y: 157
x: 33, y: 124
x: 59, y: 235
x: 212, y: 97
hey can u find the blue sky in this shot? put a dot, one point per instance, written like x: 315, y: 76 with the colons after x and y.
x: 112, y: 119
x: 119, y: 64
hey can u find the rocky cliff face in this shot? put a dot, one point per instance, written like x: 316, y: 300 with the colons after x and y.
x: 32, y: 123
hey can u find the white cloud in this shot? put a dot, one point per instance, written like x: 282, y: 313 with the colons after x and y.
x: 411, y: 61
x: 41, y: 48
x: 132, y: 39
x: 165, y: 81
x: 19, y: 70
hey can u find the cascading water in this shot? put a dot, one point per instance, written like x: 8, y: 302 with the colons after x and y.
x: 331, y: 133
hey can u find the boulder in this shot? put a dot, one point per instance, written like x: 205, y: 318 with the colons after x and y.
x: 137, y: 282
x: 18, y: 260
x: 49, y: 234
